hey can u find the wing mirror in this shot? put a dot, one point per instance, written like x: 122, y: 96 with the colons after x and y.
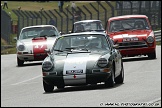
x: 116, y: 46
x: 47, y: 51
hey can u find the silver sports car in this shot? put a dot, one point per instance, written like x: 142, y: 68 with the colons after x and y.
x: 33, y: 40
x: 81, y: 59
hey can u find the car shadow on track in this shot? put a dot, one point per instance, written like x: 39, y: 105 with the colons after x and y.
x: 82, y: 88
x: 30, y: 64
x: 137, y: 58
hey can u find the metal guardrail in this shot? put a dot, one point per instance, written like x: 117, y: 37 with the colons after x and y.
x: 158, y: 35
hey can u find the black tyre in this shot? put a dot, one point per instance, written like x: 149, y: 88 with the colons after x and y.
x: 20, y: 62
x: 110, y: 82
x: 47, y: 87
x: 152, y: 55
x: 120, y: 78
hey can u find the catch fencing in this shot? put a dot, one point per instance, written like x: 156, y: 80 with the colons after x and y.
x: 158, y: 35
x: 5, y: 26
x: 96, y: 10
x: 64, y: 20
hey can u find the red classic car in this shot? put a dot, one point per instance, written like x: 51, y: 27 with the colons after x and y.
x: 133, y: 34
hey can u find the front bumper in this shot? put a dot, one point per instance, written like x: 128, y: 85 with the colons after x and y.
x: 76, y: 79
x: 137, y: 51
x: 31, y: 57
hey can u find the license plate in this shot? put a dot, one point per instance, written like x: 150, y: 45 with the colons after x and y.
x: 74, y: 71
x: 130, y: 39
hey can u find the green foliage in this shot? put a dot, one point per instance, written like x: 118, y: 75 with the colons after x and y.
x: 3, y: 42
x: 9, y: 51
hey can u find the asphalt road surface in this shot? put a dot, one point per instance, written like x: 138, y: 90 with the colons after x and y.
x: 22, y: 86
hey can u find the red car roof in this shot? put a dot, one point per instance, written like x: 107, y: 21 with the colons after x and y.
x: 127, y: 16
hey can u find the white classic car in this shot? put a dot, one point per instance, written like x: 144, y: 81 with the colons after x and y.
x: 33, y: 40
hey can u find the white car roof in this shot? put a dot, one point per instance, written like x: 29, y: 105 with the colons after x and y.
x: 86, y: 21
x: 38, y: 26
x: 80, y: 33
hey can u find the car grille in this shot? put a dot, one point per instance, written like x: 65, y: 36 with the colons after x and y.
x: 138, y: 44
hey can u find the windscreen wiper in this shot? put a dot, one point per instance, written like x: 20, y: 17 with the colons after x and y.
x: 58, y: 50
x: 41, y: 36
x: 52, y: 35
x: 77, y: 49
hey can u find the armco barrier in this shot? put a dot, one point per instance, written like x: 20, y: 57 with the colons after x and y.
x: 158, y: 35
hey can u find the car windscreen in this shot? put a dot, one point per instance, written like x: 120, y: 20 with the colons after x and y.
x: 35, y: 32
x: 81, y: 42
x: 128, y: 24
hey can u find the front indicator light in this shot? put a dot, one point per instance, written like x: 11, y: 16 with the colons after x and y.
x: 45, y: 73
x: 101, y: 70
x: 105, y: 70
x: 19, y: 52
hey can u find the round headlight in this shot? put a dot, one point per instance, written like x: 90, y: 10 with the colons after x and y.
x: 102, y: 62
x: 150, y: 39
x: 47, y: 65
x: 21, y: 47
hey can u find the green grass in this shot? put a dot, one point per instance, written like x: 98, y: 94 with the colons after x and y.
x: 36, y: 6
x: 158, y: 43
x: 3, y: 42
x: 9, y: 51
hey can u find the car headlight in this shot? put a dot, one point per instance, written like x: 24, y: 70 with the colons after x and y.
x: 47, y: 65
x: 150, y: 39
x: 102, y: 62
x: 21, y: 47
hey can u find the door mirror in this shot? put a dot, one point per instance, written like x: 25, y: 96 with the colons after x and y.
x: 116, y: 46
x: 47, y: 51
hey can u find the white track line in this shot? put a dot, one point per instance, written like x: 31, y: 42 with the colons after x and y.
x: 26, y: 80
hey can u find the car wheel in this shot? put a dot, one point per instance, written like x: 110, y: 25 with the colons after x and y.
x: 47, y: 87
x: 111, y: 80
x: 152, y: 55
x: 20, y: 62
x: 60, y: 86
x: 120, y: 78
